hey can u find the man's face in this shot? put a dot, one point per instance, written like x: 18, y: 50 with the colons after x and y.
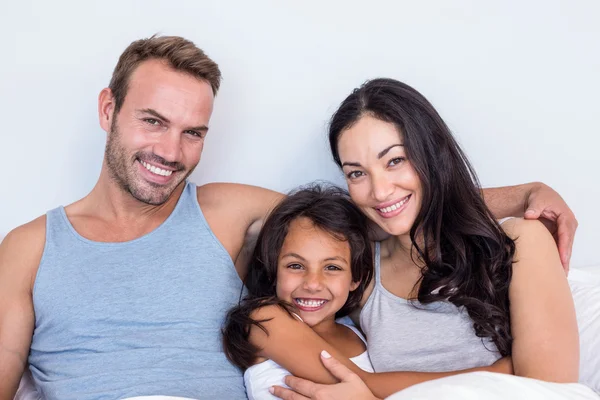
x: 156, y: 139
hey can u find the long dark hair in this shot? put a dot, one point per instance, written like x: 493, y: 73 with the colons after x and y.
x: 331, y: 210
x: 468, y: 257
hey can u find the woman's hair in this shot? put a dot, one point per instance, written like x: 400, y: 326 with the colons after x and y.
x: 468, y: 257
x: 330, y: 209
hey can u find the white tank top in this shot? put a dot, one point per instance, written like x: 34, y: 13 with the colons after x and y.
x: 260, y: 377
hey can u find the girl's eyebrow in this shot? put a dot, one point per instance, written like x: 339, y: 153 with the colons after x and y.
x: 298, y: 256
x: 294, y: 255
x: 336, y: 258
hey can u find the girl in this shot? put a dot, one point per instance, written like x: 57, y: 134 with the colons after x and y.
x: 312, y: 262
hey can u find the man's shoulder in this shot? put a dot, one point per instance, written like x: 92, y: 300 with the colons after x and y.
x: 247, y: 199
x: 21, y: 250
x: 226, y: 190
x: 31, y: 233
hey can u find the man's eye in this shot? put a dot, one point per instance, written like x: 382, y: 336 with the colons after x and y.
x: 396, y: 161
x: 152, y: 121
x: 195, y: 133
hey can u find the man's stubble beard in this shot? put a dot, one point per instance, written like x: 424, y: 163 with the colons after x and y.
x: 121, y: 172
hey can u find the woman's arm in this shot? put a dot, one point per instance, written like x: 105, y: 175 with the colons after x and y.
x: 543, y: 323
x: 297, y: 348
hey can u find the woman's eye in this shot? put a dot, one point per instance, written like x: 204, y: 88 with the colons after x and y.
x: 333, y: 268
x: 295, y: 266
x: 396, y: 161
x: 354, y: 174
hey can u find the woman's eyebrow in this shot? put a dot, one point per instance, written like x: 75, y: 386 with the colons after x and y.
x: 385, y: 151
x: 379, y: 155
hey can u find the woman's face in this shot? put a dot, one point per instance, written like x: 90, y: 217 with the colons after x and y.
x: 381, y: 181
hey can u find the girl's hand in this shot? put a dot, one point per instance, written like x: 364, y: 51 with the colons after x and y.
x: 350, y: 386
x: 503, y: 366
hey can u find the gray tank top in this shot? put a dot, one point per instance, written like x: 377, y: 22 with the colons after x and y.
x: 117, y: 320
x: 406, y: 335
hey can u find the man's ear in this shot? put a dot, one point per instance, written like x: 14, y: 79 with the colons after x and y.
x: 106, y: 108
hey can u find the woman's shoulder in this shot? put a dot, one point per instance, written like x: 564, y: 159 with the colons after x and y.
x: 517, y: 228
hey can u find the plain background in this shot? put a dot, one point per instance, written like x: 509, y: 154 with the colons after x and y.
x: 517, y: 81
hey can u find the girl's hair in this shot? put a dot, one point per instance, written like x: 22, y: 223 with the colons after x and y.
x: 330, y: 209
x: 467, y: 255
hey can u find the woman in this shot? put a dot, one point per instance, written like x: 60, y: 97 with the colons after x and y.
x: 453, y: 289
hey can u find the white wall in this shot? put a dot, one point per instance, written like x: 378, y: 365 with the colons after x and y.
x: 517, y: 81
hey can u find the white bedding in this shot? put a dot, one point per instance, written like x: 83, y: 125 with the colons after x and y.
x: 491, y: 386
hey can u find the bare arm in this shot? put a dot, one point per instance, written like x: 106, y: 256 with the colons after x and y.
x: 236, y: 213
x: 543, y: 323
x: 297, y: 348
x: 537, y: 201
x: 20, y: 253
x: 508, y: 201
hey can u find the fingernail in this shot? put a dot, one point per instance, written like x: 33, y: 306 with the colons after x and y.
x: 529, y: 212
x: 325, y: 354
x: 271, y: 390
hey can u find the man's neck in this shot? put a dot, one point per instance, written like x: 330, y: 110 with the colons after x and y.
x: 110, y: 214
x: 111, y: 202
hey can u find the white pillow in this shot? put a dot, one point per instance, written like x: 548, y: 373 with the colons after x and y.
x: 586, y: 294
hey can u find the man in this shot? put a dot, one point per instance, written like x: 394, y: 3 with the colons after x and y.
x: 123, y: 292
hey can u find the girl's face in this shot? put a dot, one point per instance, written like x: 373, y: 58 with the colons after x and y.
x: 381, y: 181
x: 313, y: 272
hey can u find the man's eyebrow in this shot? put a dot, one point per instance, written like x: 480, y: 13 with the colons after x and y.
x: 379, y: 155
x: 155, y: 113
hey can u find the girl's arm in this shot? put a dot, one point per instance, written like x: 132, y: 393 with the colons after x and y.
x: 297, y: 348
x: 543, y: 323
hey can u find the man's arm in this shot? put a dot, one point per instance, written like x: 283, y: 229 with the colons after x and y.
x: 536, y: 201
x: 20, y: 253
x: 236, y: 213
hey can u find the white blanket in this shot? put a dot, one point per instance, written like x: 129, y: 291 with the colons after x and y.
x: 491, y: 386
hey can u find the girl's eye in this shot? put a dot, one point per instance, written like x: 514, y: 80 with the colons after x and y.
x: 333, y: 268
x: 295, y: 266
x: 396, y: 161
x: 354, y: 174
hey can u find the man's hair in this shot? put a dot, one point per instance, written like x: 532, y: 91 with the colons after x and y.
x: 180, y: 54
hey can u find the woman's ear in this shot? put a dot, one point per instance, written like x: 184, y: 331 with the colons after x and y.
x: 354, y: 286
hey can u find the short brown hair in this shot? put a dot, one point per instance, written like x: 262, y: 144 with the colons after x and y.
x: 181, y: 54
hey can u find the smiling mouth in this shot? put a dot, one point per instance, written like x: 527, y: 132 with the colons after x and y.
x: 394, y: 207
x: 306, y: 304
x: 156, y: 170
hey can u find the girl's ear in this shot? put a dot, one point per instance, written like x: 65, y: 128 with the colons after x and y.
x: 354, y: 286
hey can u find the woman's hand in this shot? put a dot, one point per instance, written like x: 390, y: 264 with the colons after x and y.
x: 350, y: 386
